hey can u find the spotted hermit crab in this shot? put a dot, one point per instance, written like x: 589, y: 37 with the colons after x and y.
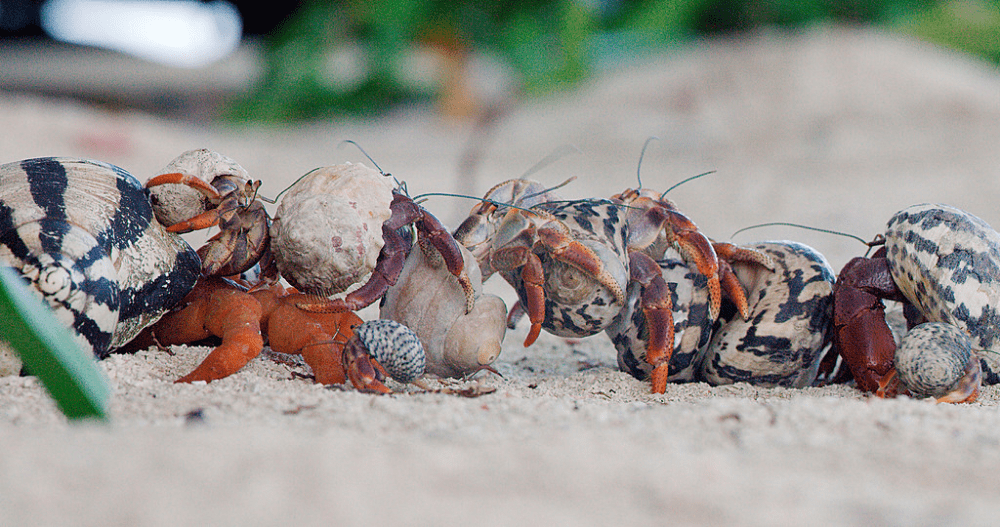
x: 941, y: 262
x: 84, y: 235
x: 779, y: 343
x: 572, y: 261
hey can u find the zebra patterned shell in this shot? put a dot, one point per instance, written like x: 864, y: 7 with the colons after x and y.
x: 791, y: 309
x: 692, y: 326
x: 395, y: 346
x: 577, y: 305
x: 947, y: 264
x: 932, y: 357
x: 83, y: 234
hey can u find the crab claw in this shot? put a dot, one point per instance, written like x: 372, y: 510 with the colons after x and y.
x: 364, y: 372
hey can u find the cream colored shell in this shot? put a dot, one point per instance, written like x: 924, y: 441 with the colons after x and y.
x: 429, y: 299
x: 327, y: 233
x: 176, y: 203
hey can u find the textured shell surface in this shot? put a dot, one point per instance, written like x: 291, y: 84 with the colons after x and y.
x: 692, y: 327
x: 791, y: 308
x: 327, y: 233
x: 174, y: 203
x: 947, y: 263
x: 83, y: 234
x: 428, y: 299
x: 932, y: 357
x: 577, y: 305
x: 395, y: 346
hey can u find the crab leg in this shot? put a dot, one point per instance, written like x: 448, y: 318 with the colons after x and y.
x: 727, y: 253
x: 533, y: 278
x: 658, y: 310
x: 557, y: 241
x: 217, y: 310
x: 435, y: 232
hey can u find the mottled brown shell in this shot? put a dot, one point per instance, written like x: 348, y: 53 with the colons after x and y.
x: 327, y: 233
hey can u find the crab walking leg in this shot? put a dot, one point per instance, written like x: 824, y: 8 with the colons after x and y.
x: 434, y: 232
x: 696, y: 248
x: 728, y: 253
x: 658, y: 310
x: 228, y: 313
x: 556, y: 239
x: 202, y: 221
x: 966, y: 390
x: 534, y: 280
x: 319, y: 338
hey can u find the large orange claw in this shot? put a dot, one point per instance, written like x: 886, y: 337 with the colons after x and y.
x: 658, y: 310
x: 534, y: 280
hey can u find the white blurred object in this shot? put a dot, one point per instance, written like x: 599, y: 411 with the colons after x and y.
x: 179, y: 33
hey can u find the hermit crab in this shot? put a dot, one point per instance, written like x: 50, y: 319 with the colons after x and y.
x: 572, y: 261
x: 84, y: 235
x: 201, y: 189
x: 779, y: 343
x: 941, y: 262
x: 338, y: 229
x: 428, y: 299
x: 243, y: 319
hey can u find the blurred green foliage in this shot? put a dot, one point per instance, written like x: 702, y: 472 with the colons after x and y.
x: 548, y: 44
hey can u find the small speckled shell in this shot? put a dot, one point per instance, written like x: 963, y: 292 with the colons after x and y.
x: 791, y: 308
x: 932, y: 357
x: 947, y: 263
x: 327, y: 233
x: 428, y: 299
x: 174, y: 203
x: 395, y: 347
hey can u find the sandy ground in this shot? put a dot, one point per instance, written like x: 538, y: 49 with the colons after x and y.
x: 833, y: 128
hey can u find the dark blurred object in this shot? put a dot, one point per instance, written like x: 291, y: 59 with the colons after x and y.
x: 19, y: 18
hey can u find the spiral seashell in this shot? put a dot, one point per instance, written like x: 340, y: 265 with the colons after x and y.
x: 83, y: 234
x: 934, y: 358
x: 395, y: 346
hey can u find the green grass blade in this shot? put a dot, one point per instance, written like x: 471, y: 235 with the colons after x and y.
x: 48, y: 351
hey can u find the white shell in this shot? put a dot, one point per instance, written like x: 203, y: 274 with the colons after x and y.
x: 932, y: 357
x: 429, y: 299
x: 327, y: 233
x: 174, y: 203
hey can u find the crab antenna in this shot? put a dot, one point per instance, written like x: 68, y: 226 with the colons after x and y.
x: 423, y: 197
x: 559, y: 186
x: 398, y: 184
x: 642, y: 154
x: 557, y: 154
x: 808, y: 228
x: 683, y: 181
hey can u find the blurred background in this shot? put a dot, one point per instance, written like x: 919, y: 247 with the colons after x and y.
x: 292, y: 61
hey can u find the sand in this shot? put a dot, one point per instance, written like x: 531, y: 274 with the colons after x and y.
x: 837, y: 128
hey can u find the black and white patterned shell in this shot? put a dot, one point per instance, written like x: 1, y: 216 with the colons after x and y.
x: 791, y: 309
x: 692, y: 326
x: 933, y: 357
x: 780, y: 344
x: 576, y: 304
x: 947, y: 264
x: 396, y: 347
x: 83, y: 234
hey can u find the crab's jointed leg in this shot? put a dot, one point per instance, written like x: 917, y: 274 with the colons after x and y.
x: 658, y: 310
